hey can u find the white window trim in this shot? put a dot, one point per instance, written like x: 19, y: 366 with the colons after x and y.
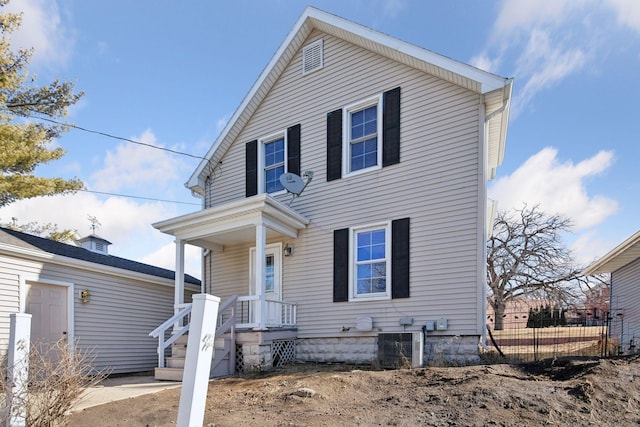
x: 346, y: 135
x: 353, y: 296
x: 261, y: 166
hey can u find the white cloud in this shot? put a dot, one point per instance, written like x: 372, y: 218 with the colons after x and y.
x: 522, y: 16
x: 42, y: 29
x: 589, y: 246
x: 484, y: 62
x: 543, y: 43
x: 125, y: 223
x: 120, y: 218
x: 543, y: 66
x: 222, y: 122
x: 165, y: 257
x: 558, y: 188
x: 132, y: 165
x: 627, y: 12
x: 392, y: 8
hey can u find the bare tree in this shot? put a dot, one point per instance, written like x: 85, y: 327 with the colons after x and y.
x: 526, y: 257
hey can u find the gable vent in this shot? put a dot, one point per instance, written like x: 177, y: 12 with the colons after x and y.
x: 312, y: 57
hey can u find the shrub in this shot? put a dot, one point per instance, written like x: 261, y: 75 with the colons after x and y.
x: 57, y: 375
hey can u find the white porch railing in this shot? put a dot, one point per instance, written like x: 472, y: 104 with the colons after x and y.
x: 277, y: 314
x: 234, y: 312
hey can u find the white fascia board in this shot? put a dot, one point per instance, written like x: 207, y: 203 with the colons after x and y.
x: 42, y: 256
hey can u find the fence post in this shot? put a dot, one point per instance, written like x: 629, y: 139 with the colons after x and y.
x: 18, y: 368
x: 197, y: 364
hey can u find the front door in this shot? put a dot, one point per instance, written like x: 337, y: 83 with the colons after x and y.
x: 47, y: 305
x: 272, y: 282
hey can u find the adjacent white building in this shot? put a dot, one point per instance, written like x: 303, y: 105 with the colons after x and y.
x: 105, y: 304
x: 623, y: 262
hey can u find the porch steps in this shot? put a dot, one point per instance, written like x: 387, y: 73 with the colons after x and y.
x: 220, y: 366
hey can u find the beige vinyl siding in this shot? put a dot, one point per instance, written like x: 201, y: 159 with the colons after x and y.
x: 114, y: 326
x: 436, y: 184
x: 625, y: 297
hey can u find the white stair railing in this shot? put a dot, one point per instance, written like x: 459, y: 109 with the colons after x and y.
x: 183, y: 318
x: 160, y: 332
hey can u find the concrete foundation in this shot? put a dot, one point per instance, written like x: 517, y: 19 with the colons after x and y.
x: 438, y: 350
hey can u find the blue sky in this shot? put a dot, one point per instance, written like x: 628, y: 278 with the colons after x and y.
x: 170, y: 74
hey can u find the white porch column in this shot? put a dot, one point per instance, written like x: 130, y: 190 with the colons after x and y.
x: 261, y: 243
x: 178, y: 297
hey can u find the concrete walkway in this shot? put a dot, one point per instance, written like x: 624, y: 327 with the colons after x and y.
x: 113, y: 389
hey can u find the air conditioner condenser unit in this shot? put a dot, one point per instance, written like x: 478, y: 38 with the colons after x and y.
x: 398, y: 350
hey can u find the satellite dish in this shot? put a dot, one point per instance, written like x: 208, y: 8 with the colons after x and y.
x: 292, y: 183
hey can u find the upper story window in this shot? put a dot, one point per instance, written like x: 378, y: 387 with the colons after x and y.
x: 266, y: 159
x: 362, y: 140
x: 274, y: 163
x: 364, y: 136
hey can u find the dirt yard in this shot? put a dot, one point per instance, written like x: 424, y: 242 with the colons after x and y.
x: 559, y: 393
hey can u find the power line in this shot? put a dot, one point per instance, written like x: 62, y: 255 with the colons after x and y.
x: 140, y: 197
x: 108, y: 135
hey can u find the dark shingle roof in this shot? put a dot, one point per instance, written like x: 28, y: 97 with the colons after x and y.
x: 17, y: 238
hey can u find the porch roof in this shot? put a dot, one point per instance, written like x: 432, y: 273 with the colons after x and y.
x: 234, y: 223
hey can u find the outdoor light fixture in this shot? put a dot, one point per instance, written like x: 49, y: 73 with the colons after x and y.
x: 287, y: 250
x: 85, y: 296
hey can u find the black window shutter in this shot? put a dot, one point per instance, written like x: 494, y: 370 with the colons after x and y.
x: 334, y: 145
x: 391, y: 127
x: 341, y: 265
x: 400, y: 258
x: 251, y: 163
x: 293, y: 149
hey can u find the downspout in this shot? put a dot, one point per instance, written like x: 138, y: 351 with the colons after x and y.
x: 204, y: 251
x: 482, y: 225
x: 496, y: 112
x: 507, y: 89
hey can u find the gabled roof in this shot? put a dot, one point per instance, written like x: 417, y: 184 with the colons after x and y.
x: 496, y: 89
x: 12, y: 240
x: 626, y: 252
